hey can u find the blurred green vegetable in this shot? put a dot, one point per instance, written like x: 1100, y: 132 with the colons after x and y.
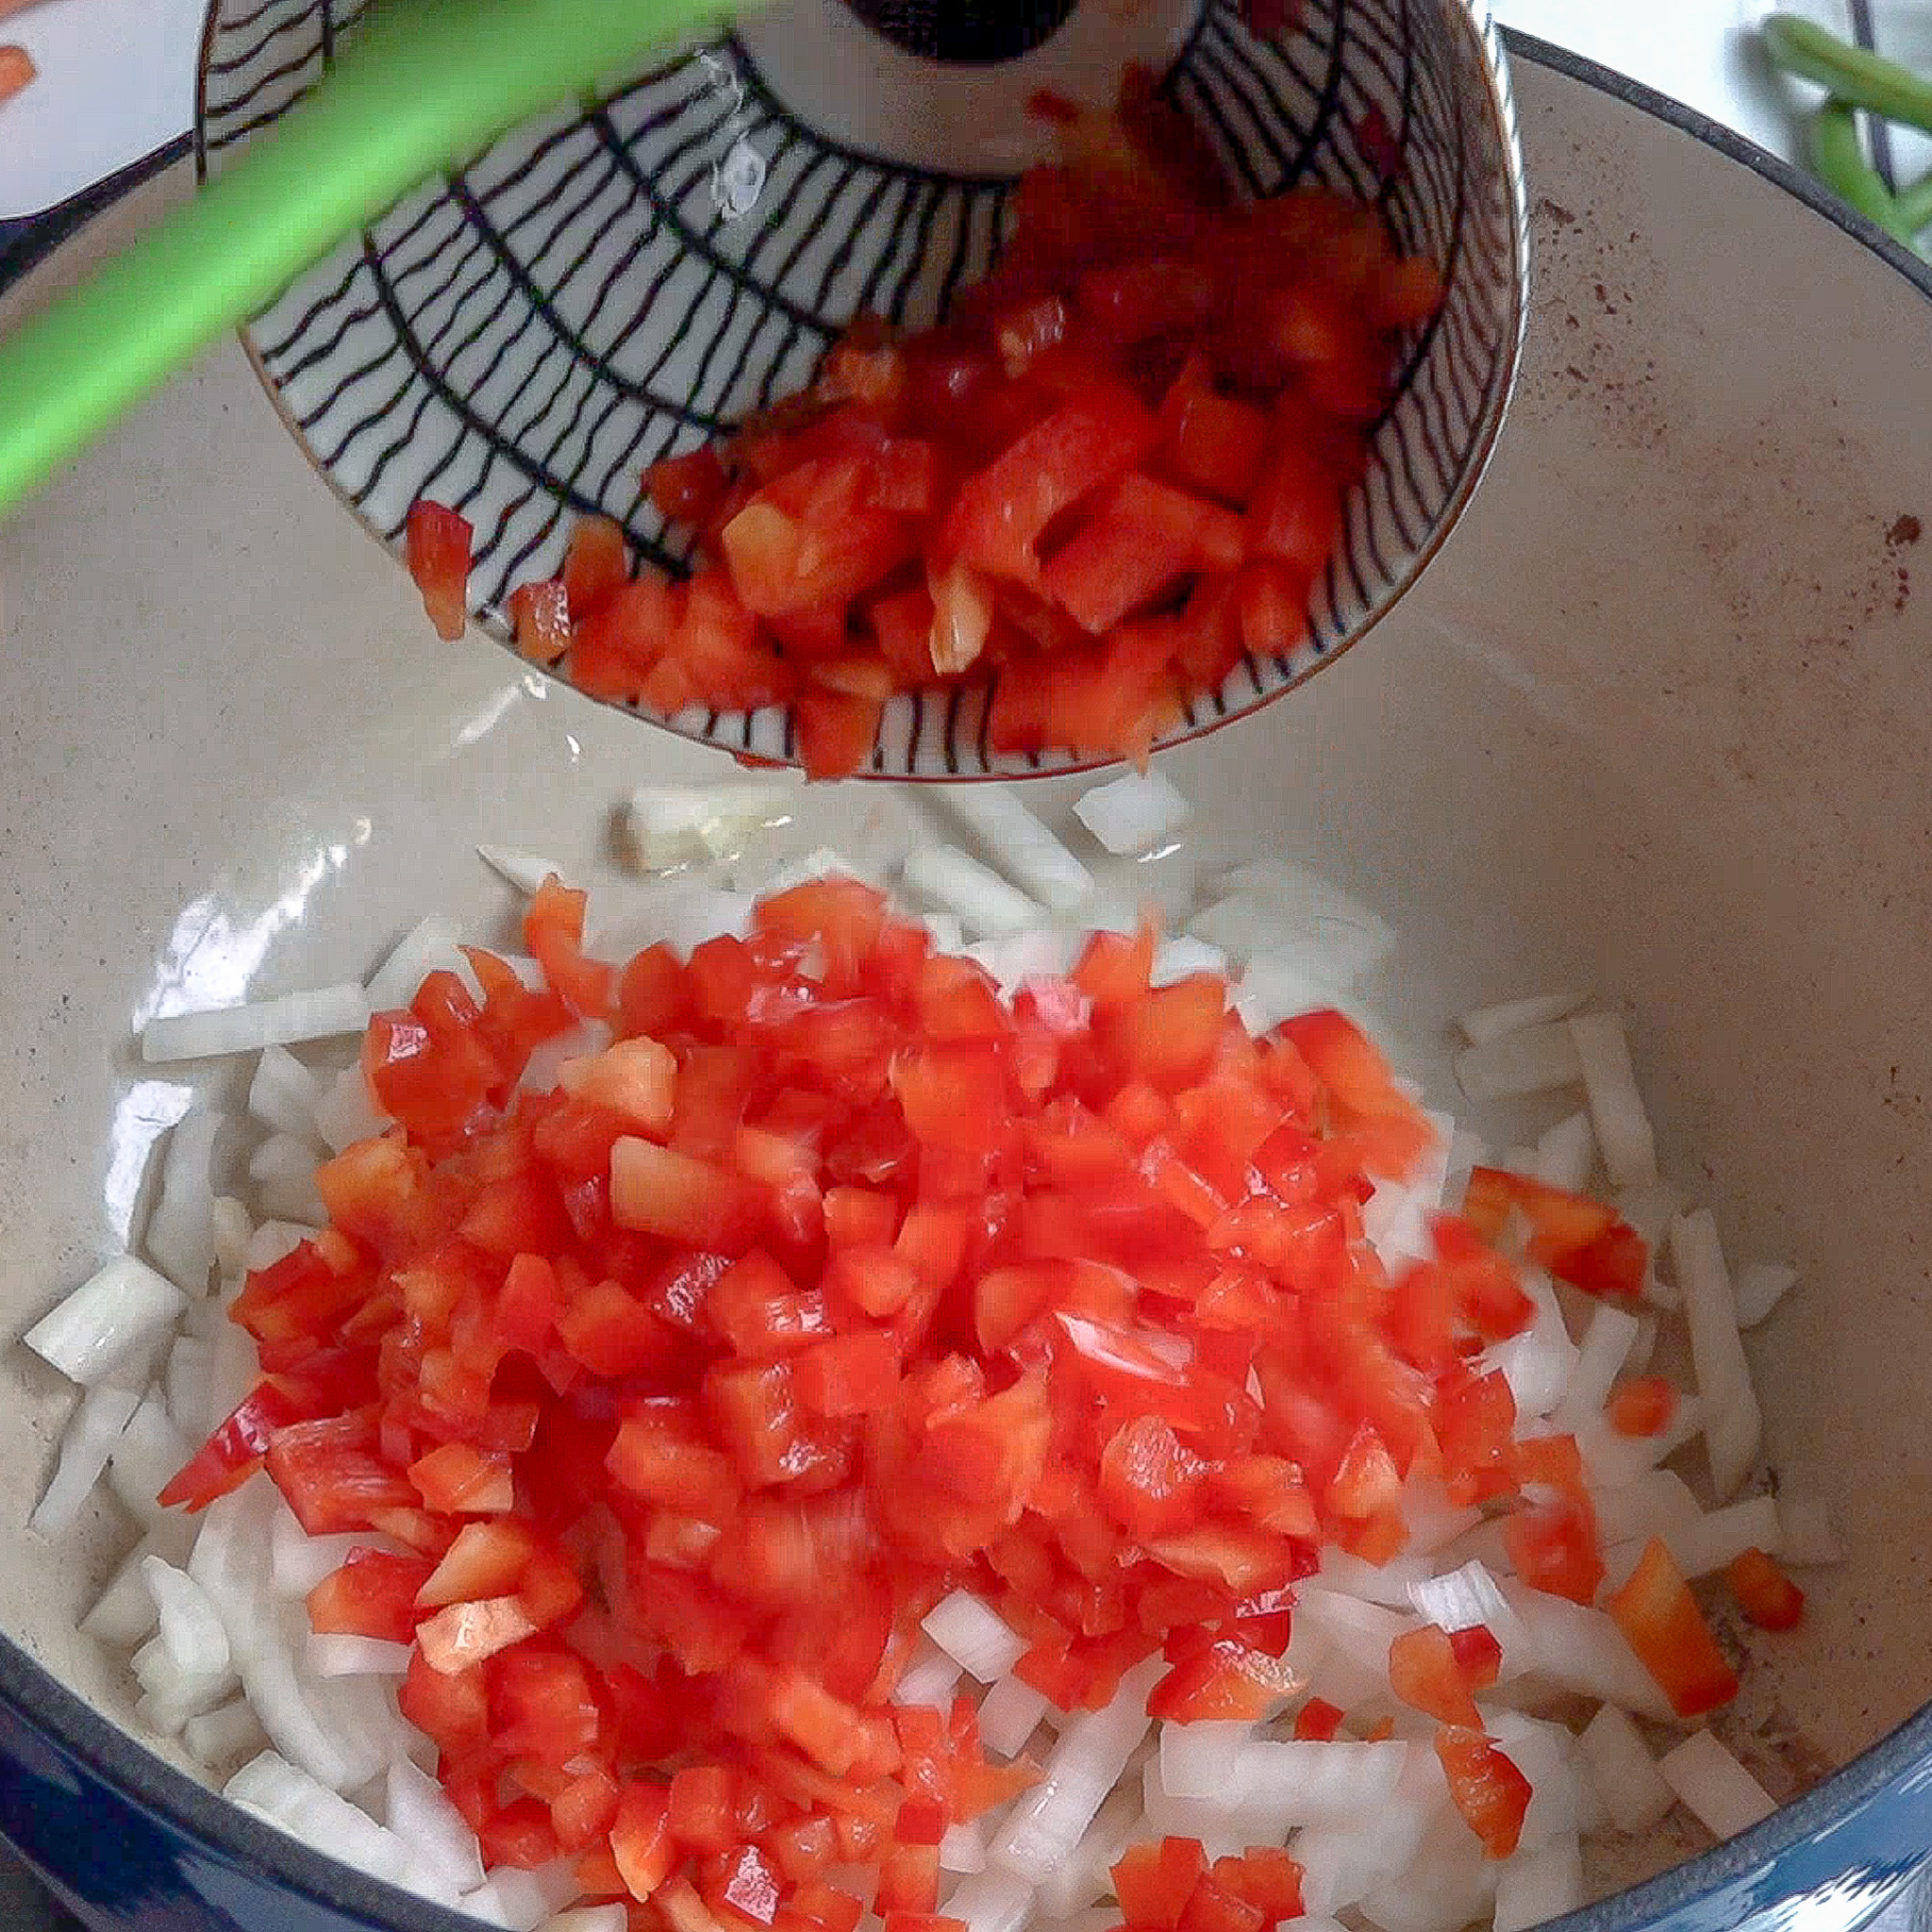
x: 1914, y: 204
x: 1855, y: 78
x: 1838, y: 153
x: 1853, y: 75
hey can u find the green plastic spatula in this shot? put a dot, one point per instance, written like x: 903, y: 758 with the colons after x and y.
x: 420, y: 87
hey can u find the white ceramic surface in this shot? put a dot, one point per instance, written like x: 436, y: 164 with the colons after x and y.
x: 1654, y: 720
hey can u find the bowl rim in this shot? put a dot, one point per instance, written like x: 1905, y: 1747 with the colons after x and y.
x: 1492, y: 45
x: 175, y: 1801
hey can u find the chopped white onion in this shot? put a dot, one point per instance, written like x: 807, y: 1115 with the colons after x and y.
x: 145, y: 1457
x: 432, y: 946
x: 282, y: 1093
x: 665, y: 826
x: 1387, y: 1584
x: 181, y: 1235
x: 1566, y: 1153
x: 1644, y: 1347
x: 232, y: 1225
x: 1095, y: 1919
x: 1345, y: 1858
x: 806, y: 868
x: 114, y: 1318
x: 1514, y: 1016
x: 283, y: 1160
x: 1395, y: 1218
x: 273, y: 1241
x: 1434, y: 1521
x: 331, y: 1738
x: 1614, y: 1461
x: 682, y: 916
x: 420, y: 1813
x: 325, y: 1014
x: 1272, y: 989
x: 1616, y: 1108
x: 1085, y: 1873
x: 1533, y: 1886
x: 1308, y: 909
x: 347, y: 1111
x: 1537, y: 1363
x: 962, y: 1850
x: 1657, y: 1503
x: 170, y: 1695
x: 1020, y: 844
x: 1446, y: 1886
x: 545, y: 1067
x: 931, y: 1679
x: 218, y: 1736
x: 1715, y: 1788
x: 975, y: 1635
x: 1135, y: 814
x: 1460, y: 1599
x: 298, y: 1561
x: 1042, y: 953
x: 1245, y: 927
x: 88, y: 1439
x: 190, y: 1385
x: 1009, y: 1713
x: 1703, y: 1545
x: 1600, y: 1358
x: 1634, y: 1796
x: 1221, y: 1826
x: 985, y: 903
x: 1580, y: 1649
x: 1732, y: 1430
x: 990, y: 1901
x: 190, y: 1627
x: 1758, y: 1287
x: 1307, y: 1783
x: 520, y: 1900
x: 1047, y: 1822
x: 1361, y: 1631
x: 1194, y: 1757
x: 524, y: 870
x: 1542, y: 1752
x: 1181, y: 959
x: 486, y: 1905
x: 1533, y: 1061
x: 340, y: 1656
x: 291, y: 1797
x: 947, y: 931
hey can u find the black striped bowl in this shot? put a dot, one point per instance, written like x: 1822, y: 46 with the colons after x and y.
x: 619, y: 284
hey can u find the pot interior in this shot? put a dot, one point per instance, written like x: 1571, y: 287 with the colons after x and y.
x: 1653, y: 724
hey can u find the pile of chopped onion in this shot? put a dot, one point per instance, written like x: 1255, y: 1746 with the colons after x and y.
x: 303, y: 1730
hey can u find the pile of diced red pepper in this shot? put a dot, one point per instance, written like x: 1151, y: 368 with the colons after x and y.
x: 1118, y: 466
x: 672, y: 1399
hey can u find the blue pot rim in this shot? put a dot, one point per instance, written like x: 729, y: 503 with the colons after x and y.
x: 178, y: 1803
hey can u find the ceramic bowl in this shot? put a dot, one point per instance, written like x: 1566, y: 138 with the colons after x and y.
x: 1650, y: 725
x: 606, y: 289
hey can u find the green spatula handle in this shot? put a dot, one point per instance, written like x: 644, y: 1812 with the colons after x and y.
x: 422, y: 85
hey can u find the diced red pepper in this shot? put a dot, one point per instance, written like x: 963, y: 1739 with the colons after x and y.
x: 438, y: 543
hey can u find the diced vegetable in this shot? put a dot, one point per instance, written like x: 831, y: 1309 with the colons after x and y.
x: 1723, y: 1796
x: 1115, y: 470
x: 114, y: 1316
x: 775, y: 1293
